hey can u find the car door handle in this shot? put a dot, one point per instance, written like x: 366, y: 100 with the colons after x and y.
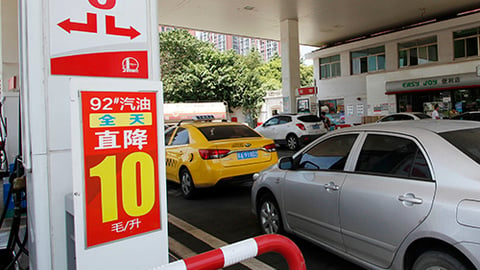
x: 410, y: 198
x: 331, y: 186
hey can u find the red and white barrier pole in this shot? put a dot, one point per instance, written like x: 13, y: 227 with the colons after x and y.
x: 237, y: 252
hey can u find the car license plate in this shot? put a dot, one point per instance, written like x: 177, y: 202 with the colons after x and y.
x: 247, y: 154
x: 316, y: 126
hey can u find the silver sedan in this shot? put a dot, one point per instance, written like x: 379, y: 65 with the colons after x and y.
x: 404, y: 116
x: 398, y: 195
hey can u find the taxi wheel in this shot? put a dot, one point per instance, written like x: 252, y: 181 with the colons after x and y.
x: 292, y: 142
x: 186, y: 184
x: 269, y: 216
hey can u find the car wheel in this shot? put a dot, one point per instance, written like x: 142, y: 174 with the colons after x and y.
x: 269, y: 216
x: 437, y: 260
x: 292, y: 142
x: 186, y: 184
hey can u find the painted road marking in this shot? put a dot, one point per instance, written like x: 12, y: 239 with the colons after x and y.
x: 179, y: 249
x: 208, y: 239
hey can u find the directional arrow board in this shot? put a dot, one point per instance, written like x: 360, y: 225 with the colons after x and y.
x: 102, y: 38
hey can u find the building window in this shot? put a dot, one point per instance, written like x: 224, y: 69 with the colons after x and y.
x: 368, y: 60
x: 418, y: 52
x: 334, y: 109
x: 330, y: 67
x: 465, y: 42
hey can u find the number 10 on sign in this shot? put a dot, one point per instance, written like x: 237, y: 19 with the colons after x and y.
x: 121, y: 165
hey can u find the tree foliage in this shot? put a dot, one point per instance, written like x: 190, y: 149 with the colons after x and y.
x: 306, y: 75
x: 194, y: 71
x: 271, y: 74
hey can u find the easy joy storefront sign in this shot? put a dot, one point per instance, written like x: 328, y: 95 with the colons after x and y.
x: 121, y: 165
x: 102, y: 38
x: 433, y: 83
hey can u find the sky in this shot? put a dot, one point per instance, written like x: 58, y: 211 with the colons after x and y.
x: 304, y: 50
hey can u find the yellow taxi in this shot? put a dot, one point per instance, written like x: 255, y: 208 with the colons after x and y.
x: 203, y: 153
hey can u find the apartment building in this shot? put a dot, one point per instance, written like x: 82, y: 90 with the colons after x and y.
x: 241, y: 45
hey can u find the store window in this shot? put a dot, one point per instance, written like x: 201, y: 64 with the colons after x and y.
x: 330, y: 67
x: 466, y: 100
x: 334, y: 109
x: 368, y: 60
x: 465, y: 43
x: 451, y: 102
x: 418, y: 52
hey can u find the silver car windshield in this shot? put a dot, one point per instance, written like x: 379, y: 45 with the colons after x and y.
x: 422, y: 116
x: 467, y: 141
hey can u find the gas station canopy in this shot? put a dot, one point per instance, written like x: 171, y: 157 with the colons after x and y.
x: 60, y: 97
x: 320, y: 22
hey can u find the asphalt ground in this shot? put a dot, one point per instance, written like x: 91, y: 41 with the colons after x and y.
x: 224, y: 213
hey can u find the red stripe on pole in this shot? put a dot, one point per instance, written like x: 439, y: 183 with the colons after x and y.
x: 128, y: 64
x: 284, y: 246
x: 265, y: 243
x: 206, y: 261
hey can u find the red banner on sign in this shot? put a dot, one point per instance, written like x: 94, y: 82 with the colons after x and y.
x: 121, y: 165
x: 130, y: 64
x: 306, y: 91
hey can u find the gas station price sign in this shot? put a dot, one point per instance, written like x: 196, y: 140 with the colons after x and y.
x: 120, y: 155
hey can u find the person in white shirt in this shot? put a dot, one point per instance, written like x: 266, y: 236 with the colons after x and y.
x: 435, y: 114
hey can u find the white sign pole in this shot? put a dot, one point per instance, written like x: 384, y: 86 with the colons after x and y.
x: 74, y: 46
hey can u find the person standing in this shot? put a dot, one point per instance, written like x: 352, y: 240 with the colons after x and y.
x: 435, y: 114
x: 325, y: 120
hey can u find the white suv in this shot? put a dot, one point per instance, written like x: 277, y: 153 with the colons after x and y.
x: 293, y: 130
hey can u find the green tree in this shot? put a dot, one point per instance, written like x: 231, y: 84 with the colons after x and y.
x: 178, y: 51
x: 271, y: 74
x: 253, y: 93
x: 306, y: 75
x: 193, y: 70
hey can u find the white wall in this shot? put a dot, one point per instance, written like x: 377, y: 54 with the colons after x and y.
x: 272, y: 101
x: 238, y: 113
x: 351, y: 88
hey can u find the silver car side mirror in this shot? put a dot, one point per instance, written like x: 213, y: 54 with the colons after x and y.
x: 285, y: 163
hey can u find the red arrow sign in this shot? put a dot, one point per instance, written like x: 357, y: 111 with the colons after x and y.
x: 113, y: 30
x: 90, y: 26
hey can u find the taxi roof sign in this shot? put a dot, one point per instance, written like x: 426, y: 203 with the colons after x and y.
x: 203, y: 117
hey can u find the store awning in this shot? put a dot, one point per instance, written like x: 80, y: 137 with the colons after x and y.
x: 448, y: 82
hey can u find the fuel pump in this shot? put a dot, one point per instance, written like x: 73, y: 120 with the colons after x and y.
x: 306, y: 100
x: 17, y: 239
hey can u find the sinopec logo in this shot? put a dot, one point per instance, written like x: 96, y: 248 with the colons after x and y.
x: 130, y: 65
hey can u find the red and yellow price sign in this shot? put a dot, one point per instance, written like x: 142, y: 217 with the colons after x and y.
x: 121, y: 165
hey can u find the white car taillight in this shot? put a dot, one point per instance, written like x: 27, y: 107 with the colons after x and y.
x: 301, y: 126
